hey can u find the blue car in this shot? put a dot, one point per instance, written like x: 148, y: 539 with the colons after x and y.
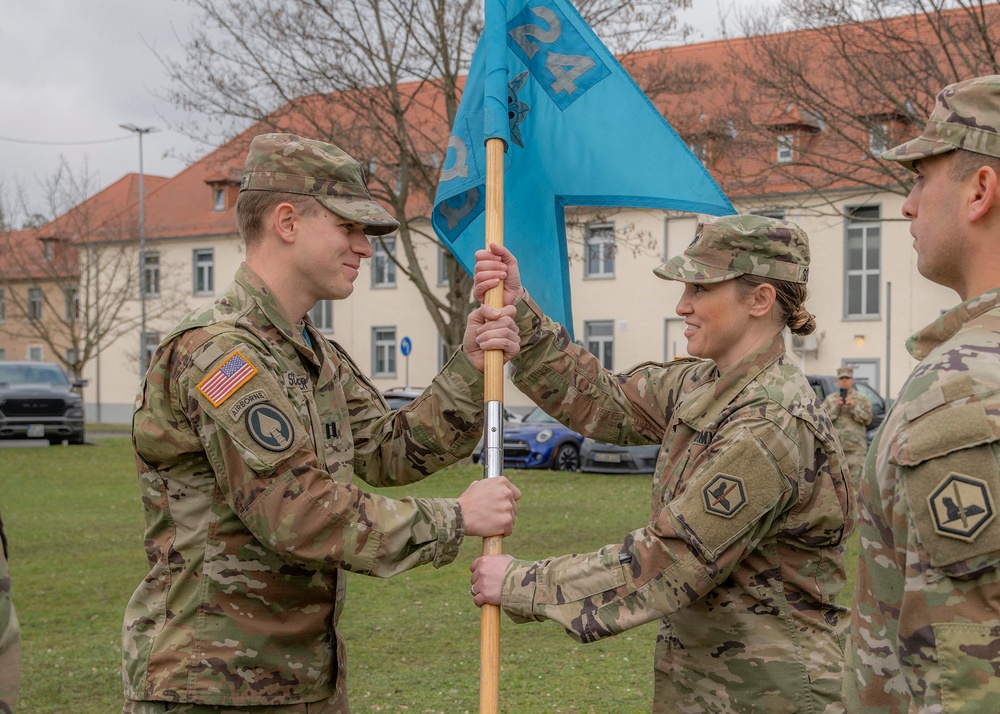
x: 538, y: 442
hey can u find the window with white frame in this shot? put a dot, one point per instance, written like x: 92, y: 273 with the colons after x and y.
x: 36, y: 353
x: 383, y: 269
x: 863, y: 263
x: 785, y: 148
x: 383, y: 351
x: 204, y: 271
x: 322, y: 315
x: 34, y: 304
x: 72, y: 294
x: 151, y: 274
x: 442, y: 276
x: 599, y: 251
x: 443, y: 353
x: 599, y: 338
x: 878, y: 139
x: 70, y: 356
x: 149, y: 346
x: 219, y: 200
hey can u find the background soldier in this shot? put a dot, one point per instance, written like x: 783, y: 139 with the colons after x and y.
x: 249, y: 429
x: 10, y: 635
x: 925, y: 631
x: 851, y: 412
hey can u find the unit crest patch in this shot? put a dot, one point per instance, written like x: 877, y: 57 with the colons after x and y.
x: 724, y: 496
x: 961, y: 507
x: 269, y: 427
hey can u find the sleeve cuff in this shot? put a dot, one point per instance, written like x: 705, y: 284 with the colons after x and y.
x: 450, y: 531
x: 517, y: 592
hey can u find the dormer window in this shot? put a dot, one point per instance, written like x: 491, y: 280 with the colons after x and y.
x: 219, y: 202
x: 785, y: 148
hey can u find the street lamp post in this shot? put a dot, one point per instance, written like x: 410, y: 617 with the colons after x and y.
x: 142, y: 247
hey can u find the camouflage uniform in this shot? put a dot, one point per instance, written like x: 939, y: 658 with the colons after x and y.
x: 742, y: 558
x: 850, y: 425
x: 925, y: 632
x: 248, y: 432
x: 10, y: 636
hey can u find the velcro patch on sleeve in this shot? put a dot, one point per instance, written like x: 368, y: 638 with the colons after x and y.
x: 223, y: 381
x: 729, y: 494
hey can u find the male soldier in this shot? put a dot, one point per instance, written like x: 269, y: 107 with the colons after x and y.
x: 10, y: 636
x: 851, y: 412
x: 925, y: 631
x: 248, y: 431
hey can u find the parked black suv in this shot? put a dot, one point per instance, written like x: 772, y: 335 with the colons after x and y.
x: 827, y: 384
x: 37, y: 401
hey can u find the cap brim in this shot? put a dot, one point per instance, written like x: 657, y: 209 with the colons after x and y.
x: 915, y: 149
x: 685, y: 270
x: 376, y: 220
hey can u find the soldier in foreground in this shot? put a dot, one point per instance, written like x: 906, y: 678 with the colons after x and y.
x: 925, y: 631
x: 742, y: 557
x: 851, y: 412
x: 249, y: 429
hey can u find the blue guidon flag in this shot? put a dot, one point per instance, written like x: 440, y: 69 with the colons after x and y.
x: 578, y: 132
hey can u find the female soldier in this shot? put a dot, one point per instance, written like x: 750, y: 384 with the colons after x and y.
x: 742, y: 558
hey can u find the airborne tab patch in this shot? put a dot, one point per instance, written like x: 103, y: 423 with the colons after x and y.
x: 724, y: 495
x: 961, y: 507
x: 220, y: 384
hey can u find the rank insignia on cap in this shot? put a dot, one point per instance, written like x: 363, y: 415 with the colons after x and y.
x: 962, y: 507
x: 724, y: 495
x: 269, y: 427
x: 219, y: 384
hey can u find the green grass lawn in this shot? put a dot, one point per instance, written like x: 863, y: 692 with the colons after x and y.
x: 75, y: 524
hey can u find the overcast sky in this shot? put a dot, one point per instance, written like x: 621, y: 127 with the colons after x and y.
x: 73, y: 71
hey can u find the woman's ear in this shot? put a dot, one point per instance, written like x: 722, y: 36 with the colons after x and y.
x: 762, y: 299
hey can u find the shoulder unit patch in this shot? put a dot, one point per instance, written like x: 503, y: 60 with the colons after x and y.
x: 269, y: 427
x: 724, y: 495
x: 961, y: 507
x: 220, y: 384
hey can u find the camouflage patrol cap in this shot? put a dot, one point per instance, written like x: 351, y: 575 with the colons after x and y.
x: 845, y: 372
x: 290, y: 164
x: 966, y: 116
x: 731, y: 246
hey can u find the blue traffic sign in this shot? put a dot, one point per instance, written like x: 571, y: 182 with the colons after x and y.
x: 405, y: 346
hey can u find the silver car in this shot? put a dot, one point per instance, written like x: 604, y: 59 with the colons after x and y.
x: 598, y: 457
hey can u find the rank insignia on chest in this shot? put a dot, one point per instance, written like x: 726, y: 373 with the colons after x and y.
x: 961, y: 506
x: 724, y: 496
x: 222, y: 382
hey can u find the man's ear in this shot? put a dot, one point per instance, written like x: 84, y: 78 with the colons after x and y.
x: 762, y: 299
x: 286, y: 222
x: 983, y: 192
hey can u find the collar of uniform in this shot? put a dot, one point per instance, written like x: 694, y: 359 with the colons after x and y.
x: 267, y: 303
x: 944, y: 328
x: 704, y: 409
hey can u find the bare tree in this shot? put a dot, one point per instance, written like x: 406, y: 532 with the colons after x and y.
x: 856, y: 77
x: 381, y: 79
x: 71, y: 283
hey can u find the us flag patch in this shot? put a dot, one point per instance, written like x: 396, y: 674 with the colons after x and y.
x: 220, y: 384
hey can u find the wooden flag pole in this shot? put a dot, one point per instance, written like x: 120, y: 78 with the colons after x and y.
x: 489, y: 641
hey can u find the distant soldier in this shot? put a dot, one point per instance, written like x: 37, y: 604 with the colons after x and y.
x: 741, y: 560
x: 10, y: 636
x: 851, y: 412
x: 249, y: 430
x: 925, y: 631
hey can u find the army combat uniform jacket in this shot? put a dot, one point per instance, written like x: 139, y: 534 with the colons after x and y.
x: 247, y: 437
x: 925, y: 632
x: 742, y: 557
x: 851, y: 426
